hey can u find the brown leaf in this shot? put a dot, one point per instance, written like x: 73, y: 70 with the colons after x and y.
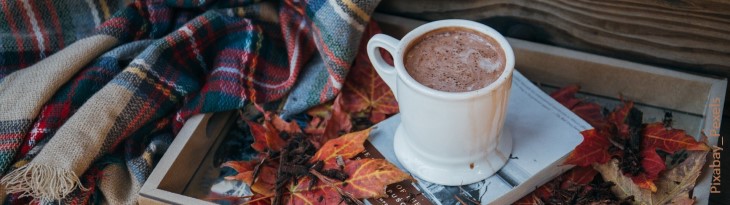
x: 672, y: 185
x: 593, y: 149
x: 368, y: 179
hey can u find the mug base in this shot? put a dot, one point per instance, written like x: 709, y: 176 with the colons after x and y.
x: 463, y: 174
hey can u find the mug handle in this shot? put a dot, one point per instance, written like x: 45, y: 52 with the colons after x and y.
x: 386, y: 72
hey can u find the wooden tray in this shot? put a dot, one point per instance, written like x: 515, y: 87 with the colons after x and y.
x: 695, y: 100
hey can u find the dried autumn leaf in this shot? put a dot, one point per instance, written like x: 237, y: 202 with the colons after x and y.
x: 566, y: 96
x: 531, y: 199
x: 618, y: 118
x: 578, y: 176
x: 673, y: 185
x: 590, y: 112
x: 284, y: 126
x: 593, y: 149
x: 315, y: 126
x: 338, y: 122
x: 266, y: 179
x: 652, y: 163
x: 368, y: 179
x: 328, y: 120
x: 364, y: 90
x: 643, y: 182
x: 346, y: 146
x: 265, y: 137
x: 241, y: 167
x: 669, y: 140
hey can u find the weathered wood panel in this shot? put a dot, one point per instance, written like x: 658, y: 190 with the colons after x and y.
x: 692, y: 36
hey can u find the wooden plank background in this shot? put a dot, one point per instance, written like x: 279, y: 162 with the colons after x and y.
x: 687, y: 35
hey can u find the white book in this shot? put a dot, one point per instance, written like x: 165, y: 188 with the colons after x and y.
x: 544, y: 133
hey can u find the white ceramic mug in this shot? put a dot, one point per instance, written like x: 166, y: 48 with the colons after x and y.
x: 449, y: 138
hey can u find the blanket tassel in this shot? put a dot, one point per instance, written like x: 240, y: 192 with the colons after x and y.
x: 42, y: 182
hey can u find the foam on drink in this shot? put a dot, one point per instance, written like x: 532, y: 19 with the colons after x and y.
x: 455, y: 60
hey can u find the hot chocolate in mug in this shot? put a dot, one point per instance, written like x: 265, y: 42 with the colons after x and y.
x: 449, y: 138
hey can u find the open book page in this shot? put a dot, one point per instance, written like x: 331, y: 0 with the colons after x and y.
x: 543, y: 133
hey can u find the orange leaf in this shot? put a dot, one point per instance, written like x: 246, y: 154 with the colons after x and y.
x: 266, y: 179
x: 284, y: 126
x: 368, y: 179
x: 364, y: 90
x: 265, y: 137
x: 669, y: 140
x: 347, y: 146
x: 593, y: 149
x: 242, y: 167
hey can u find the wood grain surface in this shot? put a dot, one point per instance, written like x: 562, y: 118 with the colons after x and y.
x: 692, y: 36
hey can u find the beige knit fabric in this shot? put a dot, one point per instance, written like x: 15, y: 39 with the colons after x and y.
x: 118, y: 186
x: 54, y: 172
x: 23, y: 93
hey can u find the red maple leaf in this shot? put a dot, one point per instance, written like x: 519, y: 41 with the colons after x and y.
x: 364, y: 90
x: 593, y: 149
x: 590, y: 112
x: 368, y: 179
x: 653, y: 164
x: 656, y: 136
x: 617, y: 118
x: 566, y: 96
x: 265, y: 137
x: 578, y: 176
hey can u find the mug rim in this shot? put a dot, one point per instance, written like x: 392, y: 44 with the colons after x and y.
x: 467, y: 24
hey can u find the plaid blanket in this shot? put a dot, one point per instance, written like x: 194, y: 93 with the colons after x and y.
x: 92, y: 92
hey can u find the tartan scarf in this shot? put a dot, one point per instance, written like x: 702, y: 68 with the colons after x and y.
x: 86, y: 110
